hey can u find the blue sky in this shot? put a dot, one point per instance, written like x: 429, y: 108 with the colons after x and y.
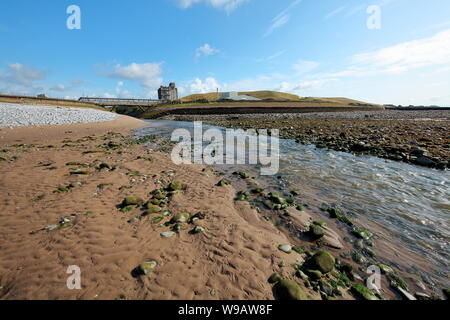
x: 309, y: 47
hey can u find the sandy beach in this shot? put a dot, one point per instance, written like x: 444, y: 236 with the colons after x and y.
x: 232, y: 259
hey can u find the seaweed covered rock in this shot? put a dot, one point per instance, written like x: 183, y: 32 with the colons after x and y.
x: 316, y: 231
x: 286, y: 289
x: 151, y: 208
x: 274, y: 278
x: 147, y: 267
x: 363, y: 293
x: 181, y: 218
x: 131, y: 201
x: 322, y: 261
x: 363, y: 234
x: 175, y: 186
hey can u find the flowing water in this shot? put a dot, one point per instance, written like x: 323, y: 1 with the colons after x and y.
x: 405, y: 205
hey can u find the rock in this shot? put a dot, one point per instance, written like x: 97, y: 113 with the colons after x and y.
x: 131, y: 201
x: 243, y: 175
x: 397, y: 281
x: 104, y: 166
x: 167, y: 234
x: 335, y: 213
x: 285, y: 248
x: 314, y: 274
x: 147, y: 267
x: 277, y: 199
x: 359, y: 244
x: 363, y: 293
x: 257, y: 190
x: 406, y: 294
x: 363, y: 234
x: 157, y: 220
x: 326, y: 288
x: 322, y: 261
x: 181, y: 218
x: 159, y: 195
x: 288, y: 290
x: 425, y: 161
x: 359, y: 258
x: 133, y: 220
x: 200, y: 216
x: 51, y: 227
x: 223, y: 183
x: 302, y: 275
x: 151, y: 208
x: 385, y: 269
x: 175, y: 186
x: 78, y: 172
x: 208, y: 170
x: 269, y: 204
x: 316, y: 231
x: 198, y: 229
x: 274, y: 278
x: 422, y: 296
x: 418, y: 152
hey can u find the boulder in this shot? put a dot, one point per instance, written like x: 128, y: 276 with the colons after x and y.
x: 288, y: 290
x: 322, y: 261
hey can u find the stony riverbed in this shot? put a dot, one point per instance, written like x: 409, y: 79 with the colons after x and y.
x: 417, y: 137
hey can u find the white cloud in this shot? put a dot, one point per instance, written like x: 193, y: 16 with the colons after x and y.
x: 281, y: 19
x: 17, y: 73
x: 61, y: 87
x: 147, y: 74
x: 226, y: 5
x: 204, y: 86
x: 20, y: 79
x: 109, y: 95
x: 205, y: 50
x: 410, y: 55
x: 400, y: 58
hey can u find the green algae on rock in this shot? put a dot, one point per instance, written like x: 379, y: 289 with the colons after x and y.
x: 274, y: 278
x: 181, y: 218
x: 131, y: 201
x: 175, y: 186
x: 147, y: 267
x: 322, y: 261
x: 286, y: 289
x: 363, y: 293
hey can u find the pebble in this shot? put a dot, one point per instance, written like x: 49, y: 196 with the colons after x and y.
x: 167, y: 234
x: 18, y: 115
x: 285, y: 248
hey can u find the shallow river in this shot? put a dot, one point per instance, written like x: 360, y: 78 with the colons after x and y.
x: 405, y: 205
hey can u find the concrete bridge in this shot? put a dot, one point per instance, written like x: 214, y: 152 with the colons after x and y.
x: 115, y: 102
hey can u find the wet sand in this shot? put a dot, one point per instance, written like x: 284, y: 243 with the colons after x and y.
x: 233, y: 257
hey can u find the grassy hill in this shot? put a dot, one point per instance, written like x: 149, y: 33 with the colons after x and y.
x: 275, y: 96
x: 263, y: 95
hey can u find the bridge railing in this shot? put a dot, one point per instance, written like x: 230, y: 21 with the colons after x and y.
x: 120, y: 102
